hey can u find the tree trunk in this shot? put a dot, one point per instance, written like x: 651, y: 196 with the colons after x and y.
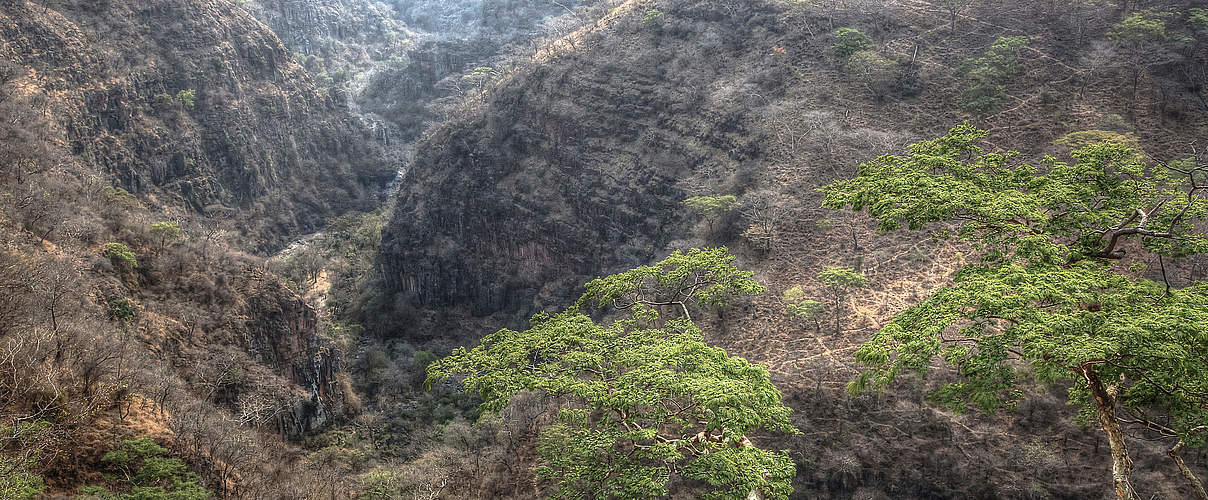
x: 1195, y: 481
x: 1105, y: 402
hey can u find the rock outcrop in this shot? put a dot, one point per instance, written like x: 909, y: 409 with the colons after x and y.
x: 195, y: 104
x: 569, y: 171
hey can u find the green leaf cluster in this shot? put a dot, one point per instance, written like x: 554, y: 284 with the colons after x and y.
x: 842, y: 278
x: 1198, y: 19
x: 120, y: 254
x: 1139, y: 28
x: 146, y: 475
x: 648, y: 399
x: 988, y: 75
x: 712, y: 207
x: 704, y: 275
x: 1084, y: 138
x: 796, y: 305
x: 1047, y: 290
x: 849, y: 41
x: 167, y: 230
x: 18, y: 482
x: 187, y: 98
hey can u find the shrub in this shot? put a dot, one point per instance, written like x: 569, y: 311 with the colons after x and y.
x: 147, y: 474
x: 166, y: 232
x: 1084, y: 138
x: 17, y: 483
x: 120, y: 309
x: 186, y: 98
x: 848, y: 41
x: 120, y: 254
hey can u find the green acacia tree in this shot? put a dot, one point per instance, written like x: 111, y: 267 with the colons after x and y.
x: 166, y: 232
x: 650, y: 400
x: 1140, y: 37
x: 797, y: 306
x: 1050, y: 289
x: 840, y: 282
x: 988, y: 75
x: 712, y: 208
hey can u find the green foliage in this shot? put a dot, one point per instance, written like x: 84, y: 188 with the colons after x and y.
x: 120, y: 254
x: 653, y: 18
x: 381, y: 483
x: 793, y: 295
x: 712, y: 207
x: 805, y: 309
x: 1046, y: 289
x: 166, y: 232
x: 186, y: 98
x: 120, y: 309
x: 705, y: 275
x: 167, y: 229
x: 1198, y: 19
x: 842, y: 279
x: 849, y: 41
x: 17, y: 482
x: 1084, y: 138
x: 839, y: 283
x: 147, y: 475
x: 1139, y: 28
x: 988, y: 75
x: 651, y: 398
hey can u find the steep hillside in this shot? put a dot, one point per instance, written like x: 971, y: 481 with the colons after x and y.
x: 147, y: 151
x: 403, y: 63
x: 192, y: 104
x: 576, y: 167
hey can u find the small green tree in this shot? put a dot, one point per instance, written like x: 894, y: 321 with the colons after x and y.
x: 652, y: 400
x: 712, y: 208
x: 797, y: 306
x: 849, y: 41
x: 1047, y: 290
x: 840, y: 282
x: 120, y: 255
x: 165, y: 232
x: 186, y: 98
x: 1139, y: 38
x: 988, y: 75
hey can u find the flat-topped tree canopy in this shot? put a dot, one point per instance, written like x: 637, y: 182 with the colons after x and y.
x: 1050, y: 288
x: 649, y: 399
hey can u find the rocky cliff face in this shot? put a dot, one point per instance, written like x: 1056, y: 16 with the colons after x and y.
x: 397, y: 58
x: 280, y: 332
x: 194, y: 104
x: 569, y: 171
